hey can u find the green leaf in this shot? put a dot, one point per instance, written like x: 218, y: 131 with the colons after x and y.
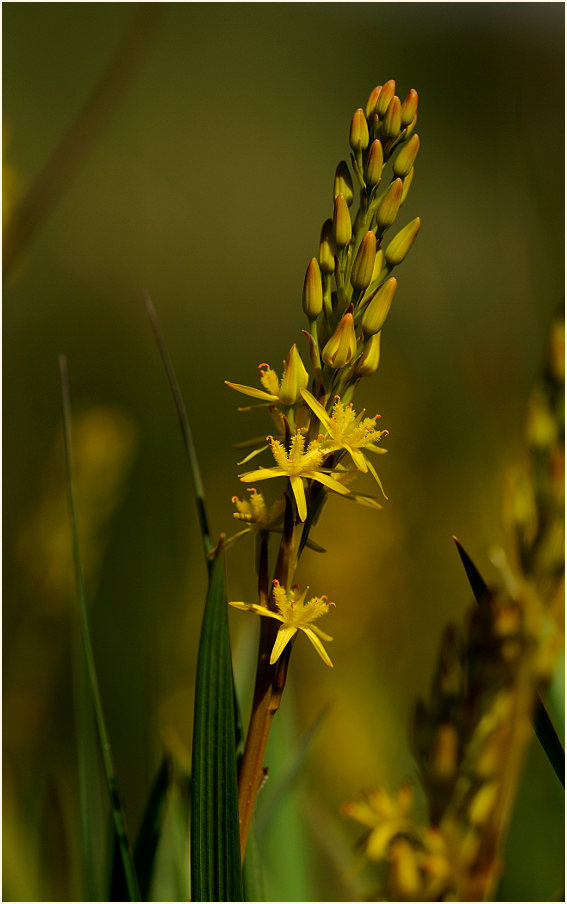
x: 151, y: 828
x: 215, y: 838
x: 541, y: 720
x: 130, y: 881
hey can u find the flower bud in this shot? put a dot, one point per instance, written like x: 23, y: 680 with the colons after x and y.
x: 390, y: 204
x: 341, y: 347
x: 406, y: 158
x: 341, y: 222
x: 359, y: 136
x: 364, y: 262
x: 384, y: 98
x: 407, y: 185
x: 374, y: 164
x: 409, y: 108
x: 327, y: 248
x: 343, y: 183
x: 378, y: 308
x: 313, y: 290
x: 372, y: 99
x: 369, y: 360
x: 295, y: 378
x: 401, y: 243
x: 378, y: 265
x: 393, y: 118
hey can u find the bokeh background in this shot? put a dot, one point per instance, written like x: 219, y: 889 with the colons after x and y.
x: 206, y: 184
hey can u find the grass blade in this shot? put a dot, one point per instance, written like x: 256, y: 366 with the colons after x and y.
x: 117, y: 812
x: 541, y: 720
x: 150, y: 830
x: 198, y: 486
x: 215, y: 839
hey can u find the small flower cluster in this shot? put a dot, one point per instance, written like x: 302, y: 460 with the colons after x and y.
x: 321, y: 442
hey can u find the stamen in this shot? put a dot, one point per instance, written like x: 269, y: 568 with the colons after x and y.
x: 270, y: 439
x: 235, y: 499
x: 332, y: 604
x: 252, y: 490
x: 275, y: 582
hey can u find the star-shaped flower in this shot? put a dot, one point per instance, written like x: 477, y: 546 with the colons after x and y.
x: 349, y: 431
x: 284, y: 392
x: 255, y: 514
x: 297, y: 464
x: 295, y: 615
x: 386, y: 815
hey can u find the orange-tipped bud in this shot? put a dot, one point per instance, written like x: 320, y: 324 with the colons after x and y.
x: 359, y: 136
x: 401, y: 243
x: 393, y: 118
x: 406, y: 158
x: 409, y: 108
x: 295, y: 378
x: 341, y: 222
x: 407, y: 184
x: 390, y: 204
x: 364, y: 262
x: 372, y: 100
x: 374, y: 163
x: 327, y: 247
x: 369, y: 360
x: 313, y: 290
x: 378, y: 308
x: 341, y: 347
x: 343, y: 183
x: 384, y: 98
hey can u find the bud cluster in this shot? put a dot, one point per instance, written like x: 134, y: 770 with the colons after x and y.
x: 349, y: 289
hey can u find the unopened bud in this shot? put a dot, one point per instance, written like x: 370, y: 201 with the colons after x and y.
x: 369, y: 360
x: 364, y: 262
x: 384, y: 98
x: 390, y: 204
x: 445, y: 751
x: 406, y: 158
x: 327, y: 248
x: 404, y: 876
x: 378, y: 265
x: 409, y: 108
x: 295, y: 378
x: 374, y: 163
x: 393, y: 118
x: 372, y: 99
x: 341, y: 222
x: 313, y: 290
x: 343, y: 183
x: 341, y: 347
x: 359, y: 136
x: 378, y: 307
x: 407, y: 185
x: 401, y: 243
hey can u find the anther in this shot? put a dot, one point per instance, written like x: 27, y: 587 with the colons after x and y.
x: 234, y: 500
x: 269, y: 439
x: 252, y: 490
x: 275, y: 582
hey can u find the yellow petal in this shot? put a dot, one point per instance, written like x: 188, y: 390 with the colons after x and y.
x: 358, y: 458
x: 259, y: 610
x: 372, y: 470
x: 299, y: 493
x: 328, y: 482
x: 318, y: 645
x: 261, y: 474
x: 283, y: 637
x: 320, y: 633
x: 251, y: 391
x: 317, y: 409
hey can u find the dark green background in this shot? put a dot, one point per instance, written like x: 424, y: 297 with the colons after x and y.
x: 208, y: 186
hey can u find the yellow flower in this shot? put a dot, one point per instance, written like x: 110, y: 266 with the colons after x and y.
x: 385, y: 815
x: 286, y: 392
x: 295, y: 615
x: 297, y: 464
x: 255, y: 513
x: 349, y: 431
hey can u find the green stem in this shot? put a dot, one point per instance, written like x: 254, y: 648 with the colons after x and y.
x: 117, y: 812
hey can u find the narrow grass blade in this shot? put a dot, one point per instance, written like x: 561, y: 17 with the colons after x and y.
x: 215, y: 839
x: 150, y: 830
x: 198, y: 486
x: 541, y: 720
x: 117, y: 812
x: 252, y: 877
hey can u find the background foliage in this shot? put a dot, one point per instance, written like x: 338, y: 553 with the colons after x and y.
x: 207, y: 187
